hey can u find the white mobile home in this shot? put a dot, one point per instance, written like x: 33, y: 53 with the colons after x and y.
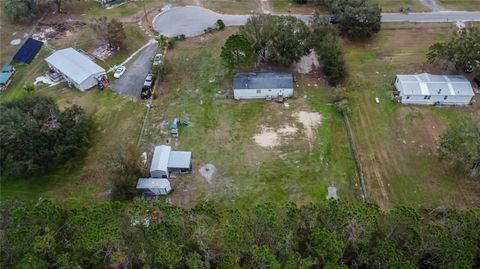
x: 165, y: 161
x: 153, y: 186
x: 427, y: 89
x: 262, y: 85
x: 76, y: 68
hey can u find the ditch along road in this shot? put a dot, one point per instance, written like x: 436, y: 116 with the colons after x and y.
x: 193, y: 20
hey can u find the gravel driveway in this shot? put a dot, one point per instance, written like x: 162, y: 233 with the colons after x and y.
x: 132, y: 81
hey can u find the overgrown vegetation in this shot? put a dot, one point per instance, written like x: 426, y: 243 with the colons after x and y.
x: 36, y: 136
x: 460, y: 146
x: 463, y: 49
x: 111, y: 32
x: 20, y: 10
x: 277, y: 39
x: 357, y: 18
x: 126, y: 167
x: 325, y: 42
x: 157, y: 235
x: 238, y: 52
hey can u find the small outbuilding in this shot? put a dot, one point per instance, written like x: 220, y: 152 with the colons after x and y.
x: 77, y: 69
x: 165, y: 161
x: 428, y: 89
x: 6, y: 76
x: 153, y: 186
x: 262, y: 85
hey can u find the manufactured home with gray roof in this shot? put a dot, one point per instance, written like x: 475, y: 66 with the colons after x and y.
x: 428, y: 89
x: 262, y: 85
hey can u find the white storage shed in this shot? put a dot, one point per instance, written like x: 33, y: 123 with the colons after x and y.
x: 427, y: 89
x: 153, y: 186
x: 262, y: 85
x: 75, y: 67
x: 165, y: 160
x: 159, y: 166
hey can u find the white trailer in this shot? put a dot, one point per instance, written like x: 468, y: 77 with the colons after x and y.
x: 427, y: 89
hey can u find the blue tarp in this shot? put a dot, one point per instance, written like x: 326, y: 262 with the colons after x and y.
x: 28, y: 51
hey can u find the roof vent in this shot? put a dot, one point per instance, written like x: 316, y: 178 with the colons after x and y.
x: 439, y: 91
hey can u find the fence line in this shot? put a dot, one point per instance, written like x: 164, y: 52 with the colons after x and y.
x: 358, y: 166
x: 145, y: 120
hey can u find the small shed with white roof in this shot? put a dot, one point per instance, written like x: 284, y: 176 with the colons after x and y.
x: 76, y: 68
x: 154, y: 186
x: 428, y: 89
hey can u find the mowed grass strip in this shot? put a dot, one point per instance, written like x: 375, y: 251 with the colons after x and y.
x: 460, y: 4
x: 395, y: 5
x: 398, y: 144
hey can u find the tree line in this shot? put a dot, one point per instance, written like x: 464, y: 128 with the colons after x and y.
x: 357, y: 18
x: 284, y: 40
x: 36, y: 136
x: 149, y: 234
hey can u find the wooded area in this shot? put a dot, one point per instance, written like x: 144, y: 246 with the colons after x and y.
x: 144, y: 234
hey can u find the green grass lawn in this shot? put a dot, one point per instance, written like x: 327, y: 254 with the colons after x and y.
x: 396, y: 143
x: 395, y: 5
x: 461, y: 4
x: 283, y: 6
x: 223, y: 130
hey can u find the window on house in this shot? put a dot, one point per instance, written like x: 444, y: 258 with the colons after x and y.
x: 259, y: 91
x: 445, y: 98
x: 408, y: 96
x: 425, y: 97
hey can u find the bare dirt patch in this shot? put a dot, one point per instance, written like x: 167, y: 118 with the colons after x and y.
x: 309, y: 120
x: 267, y: 138
x: 307, y: 63
x: 207, y: 171
x: 270, y: 137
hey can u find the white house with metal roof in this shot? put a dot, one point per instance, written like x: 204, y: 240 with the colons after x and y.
x: 154, y: 186
x: 75, y: 67
x: 262, y: 85
x: 428, y: 89
x: 165, y: 161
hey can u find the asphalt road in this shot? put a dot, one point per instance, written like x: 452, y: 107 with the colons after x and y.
x: 192, y: 20
x: 132, y: 81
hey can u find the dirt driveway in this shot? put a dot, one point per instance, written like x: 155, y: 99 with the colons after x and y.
x: 131, y: 82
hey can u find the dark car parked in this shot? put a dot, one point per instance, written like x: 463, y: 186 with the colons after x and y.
x: 477, y: 81
x: 147, y: 86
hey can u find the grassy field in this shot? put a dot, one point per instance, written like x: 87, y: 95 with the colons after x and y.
x: 395, y: 5
x: 397, y: 144
x: 460, y: 4
x: 282, y: 6
x: 223, y: 130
